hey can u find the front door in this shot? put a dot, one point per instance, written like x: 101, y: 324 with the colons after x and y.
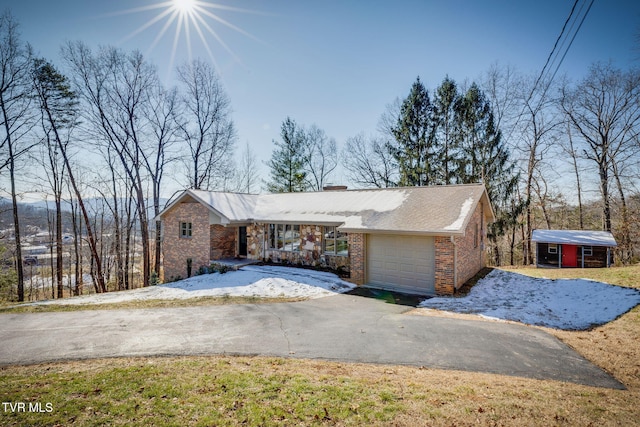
x: 242, y: 241
x: 569, y: 256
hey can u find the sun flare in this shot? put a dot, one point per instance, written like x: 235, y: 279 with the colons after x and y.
x: 189, y: 19
x: 184, y: 6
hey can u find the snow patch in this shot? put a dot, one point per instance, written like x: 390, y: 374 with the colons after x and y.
x: 249, y: 281
x: 464, y: 211
x: 573, y: 304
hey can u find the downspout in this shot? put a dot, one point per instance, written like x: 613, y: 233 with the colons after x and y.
x: 455, y: 264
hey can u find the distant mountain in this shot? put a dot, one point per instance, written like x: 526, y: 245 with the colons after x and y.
x: 34, y: 214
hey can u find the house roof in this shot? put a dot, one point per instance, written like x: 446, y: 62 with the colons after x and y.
x: 574, y: 237
x: 443, y: 210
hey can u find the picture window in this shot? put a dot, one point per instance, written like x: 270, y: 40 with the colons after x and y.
x: 335, y: 242
x: 284, y: 237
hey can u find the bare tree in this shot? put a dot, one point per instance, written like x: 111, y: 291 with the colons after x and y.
x: 368, y: 162
x: 538, y: 129
x: 321, y: 157
x: 161, y: 113
x: 570, y: 149
x: 604, y: 110
x: 57, y: 104
x: 15, y: 116
x: 247, y: 175
x: 115, y: 88
x: 205, y: 125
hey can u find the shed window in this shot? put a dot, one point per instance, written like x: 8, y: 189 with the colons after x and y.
x: 335, y: 242
x: 553, y: 248
x: 587, y: 250
x: 186, y: 230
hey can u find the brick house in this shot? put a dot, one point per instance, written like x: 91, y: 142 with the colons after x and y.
x: 414, y: 239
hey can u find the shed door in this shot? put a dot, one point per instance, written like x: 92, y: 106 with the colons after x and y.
x: 569, y: 256
x: 405, y: 263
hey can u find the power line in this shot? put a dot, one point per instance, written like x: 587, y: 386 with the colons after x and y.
x: 555, y: 45
x: 551, y: 55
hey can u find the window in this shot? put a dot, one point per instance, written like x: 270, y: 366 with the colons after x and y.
x: 587, y: 250
x: 475, y: 237
x: 284, y: 237
x: 186, y: 230
x: 553, y: 248
x: 335, y: 242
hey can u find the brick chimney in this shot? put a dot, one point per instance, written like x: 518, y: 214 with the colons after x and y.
x: 332, y: 187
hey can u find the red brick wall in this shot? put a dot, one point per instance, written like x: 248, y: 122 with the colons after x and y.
x: 444, y: 265
x: 223, y: 241
x: 357, y: 244
x: 471, y: 257
x: 468, y: 253
x: 176, y: 250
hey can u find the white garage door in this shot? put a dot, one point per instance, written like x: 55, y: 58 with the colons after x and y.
x: 401, y: 262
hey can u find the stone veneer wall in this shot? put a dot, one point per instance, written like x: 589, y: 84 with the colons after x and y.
x: 357, y: 245
x: 176, y: 250
x: 310, y: 253
x: 470, y: 257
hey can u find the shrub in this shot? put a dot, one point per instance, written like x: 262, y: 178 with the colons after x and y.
x: 153, y: 279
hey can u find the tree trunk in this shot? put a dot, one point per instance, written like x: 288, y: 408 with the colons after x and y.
x: 16, y: 219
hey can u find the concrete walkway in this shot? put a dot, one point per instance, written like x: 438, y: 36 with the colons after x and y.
x: 341, y: 328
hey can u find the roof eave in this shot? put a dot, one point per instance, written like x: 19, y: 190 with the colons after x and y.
x: 194, y: 196
x: 404, y: 232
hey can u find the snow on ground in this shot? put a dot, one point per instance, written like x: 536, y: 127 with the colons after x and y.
x: 258, y: 281
x: 573, y: 304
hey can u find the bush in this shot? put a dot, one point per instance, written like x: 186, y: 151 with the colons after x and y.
x: 218, y: 268
x: 153, y: 279
x: 202, y: 270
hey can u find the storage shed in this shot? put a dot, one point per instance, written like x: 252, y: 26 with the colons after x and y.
x: 573, y: 248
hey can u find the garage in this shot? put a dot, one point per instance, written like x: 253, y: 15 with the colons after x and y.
x: 404, y: 263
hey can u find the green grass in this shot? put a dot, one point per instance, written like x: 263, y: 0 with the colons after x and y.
x: 152, y: 303
x: 198, y: 391
x: 263, y: 391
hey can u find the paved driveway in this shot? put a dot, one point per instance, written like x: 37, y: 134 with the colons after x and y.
x: 342, y: 328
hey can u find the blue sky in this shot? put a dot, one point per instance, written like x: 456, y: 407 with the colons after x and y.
x: 339, y: 63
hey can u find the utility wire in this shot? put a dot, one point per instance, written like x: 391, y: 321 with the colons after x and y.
x: 568, y: 47
x: 551, y: 55
x: 555, y: 45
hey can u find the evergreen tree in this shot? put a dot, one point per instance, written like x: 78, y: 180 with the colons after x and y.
x: 445, y: 102
x: 414, y: 148
x: 288, y: 160
x: 486, y: 159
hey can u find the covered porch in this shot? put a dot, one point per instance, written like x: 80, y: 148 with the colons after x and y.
x: 573, y: 248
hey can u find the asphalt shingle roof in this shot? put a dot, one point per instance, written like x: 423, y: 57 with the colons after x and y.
x: 418, y: 210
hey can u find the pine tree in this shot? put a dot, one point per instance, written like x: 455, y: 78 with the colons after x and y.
x: 414, y: 148
x: 445, y: 101
x: 486, y: 159
x: 288, y: 160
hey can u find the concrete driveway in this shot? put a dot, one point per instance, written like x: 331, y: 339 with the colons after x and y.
x: 341, y: 328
